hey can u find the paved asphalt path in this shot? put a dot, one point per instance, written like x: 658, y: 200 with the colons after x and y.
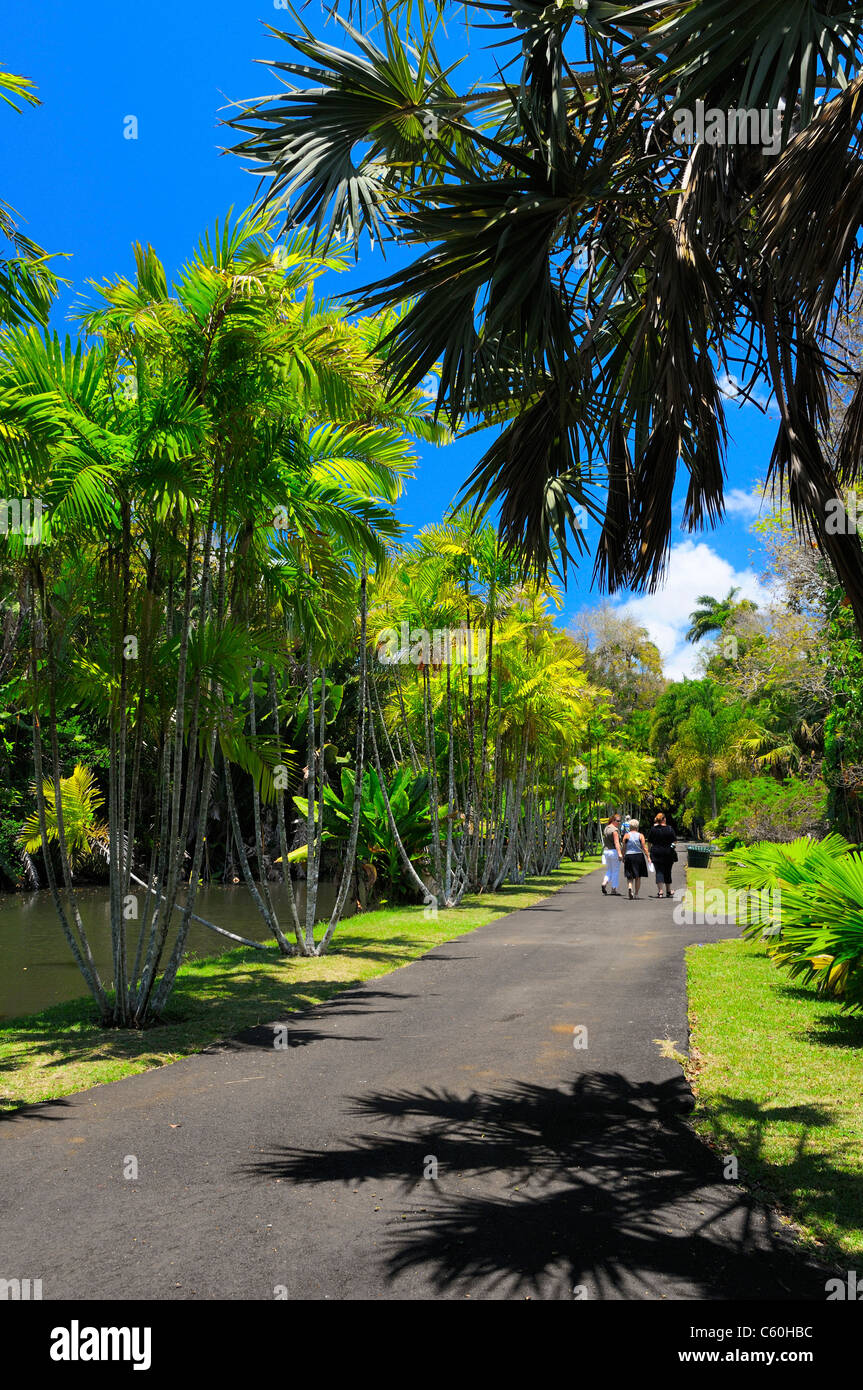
x: 562, y: 1171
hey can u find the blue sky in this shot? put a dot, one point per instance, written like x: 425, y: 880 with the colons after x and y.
x: 84, y: 189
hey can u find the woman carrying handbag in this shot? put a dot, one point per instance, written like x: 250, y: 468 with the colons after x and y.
x: 612, y: 856
x: 662, y: 838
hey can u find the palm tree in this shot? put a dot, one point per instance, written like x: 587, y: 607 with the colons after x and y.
x: 499, y: 741
x: 701, y: 737
x: 216, y: 471
x: 583, y: 279
x: 705, y: 750
x: 28, y: 285
x: 714, y: 614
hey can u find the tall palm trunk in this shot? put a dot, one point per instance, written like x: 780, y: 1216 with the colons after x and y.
x: 415, y: 758
x: 405, y: 858
x: 175, y: 844
x: 311, y: 859
x: 511, y: 856
x: 434, y: 793
x: 484, y: 798
x: 169, y: 975
x: 493, y: 852
x: 284, y: 945
x: 56, y: 773
x: 245, y: 867
x: 280, y: 817
x: 81, y: 955
x: 359, y: 765
x: 450, y: 789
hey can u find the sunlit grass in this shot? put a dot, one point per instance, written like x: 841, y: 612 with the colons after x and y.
x: 778, y: 1075
x: 63, y: 1049
x: 714, y: 876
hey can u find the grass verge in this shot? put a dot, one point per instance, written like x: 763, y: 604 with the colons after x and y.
x: 778, y: 1077
x: 714, y: 876
x: 62, y: 1049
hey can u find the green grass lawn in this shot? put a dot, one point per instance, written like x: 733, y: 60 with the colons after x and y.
x: 778, y: 1075
x: 712, y: 877
x: 63, y: 1049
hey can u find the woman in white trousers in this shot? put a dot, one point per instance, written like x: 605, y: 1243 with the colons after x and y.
x: 612, y: 855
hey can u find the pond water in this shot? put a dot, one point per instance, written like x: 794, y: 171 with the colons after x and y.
x: 36, y: 965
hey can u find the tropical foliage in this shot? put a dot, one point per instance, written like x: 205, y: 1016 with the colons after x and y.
x: 764, y: 808
x: 477, y: 683
x: 212, y: 468
x: 28, y: 283
x: 713, y: 615
x: 761, y: 744
x: 202, y: 565
x: 585, y: 281
x: 203, y: 556
x: 80, y: 807
x: 407, y: 800
x: 819, y: 887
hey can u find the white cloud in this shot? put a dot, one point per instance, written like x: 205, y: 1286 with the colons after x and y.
x: 733, y: 388
x: 693, y: 569
x: 746, y: 505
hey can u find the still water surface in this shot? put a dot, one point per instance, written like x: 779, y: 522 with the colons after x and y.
x: 36, y: 965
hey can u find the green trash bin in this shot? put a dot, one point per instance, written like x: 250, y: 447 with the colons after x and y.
x: 698, y: 856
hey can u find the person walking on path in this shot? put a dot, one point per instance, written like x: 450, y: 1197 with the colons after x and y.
x: 636, y: 858
x: 661, y: 837
x: 612, y: 855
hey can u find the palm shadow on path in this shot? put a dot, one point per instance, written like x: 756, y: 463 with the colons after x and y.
x: 598, y: 1190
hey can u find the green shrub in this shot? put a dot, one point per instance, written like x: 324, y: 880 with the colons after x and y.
x: 762, y: 808
x: 820, y: 926
x: 409, y: 798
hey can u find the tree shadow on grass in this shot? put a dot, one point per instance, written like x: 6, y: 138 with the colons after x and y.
x: 808, y: 996
x: 833, y: 1027
x: 187, y: 1026
x: 824, y: 1186
x: 543, y: 1189
x: 837, y: 1030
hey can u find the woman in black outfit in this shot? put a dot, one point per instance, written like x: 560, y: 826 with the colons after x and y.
x: 661, y: 838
